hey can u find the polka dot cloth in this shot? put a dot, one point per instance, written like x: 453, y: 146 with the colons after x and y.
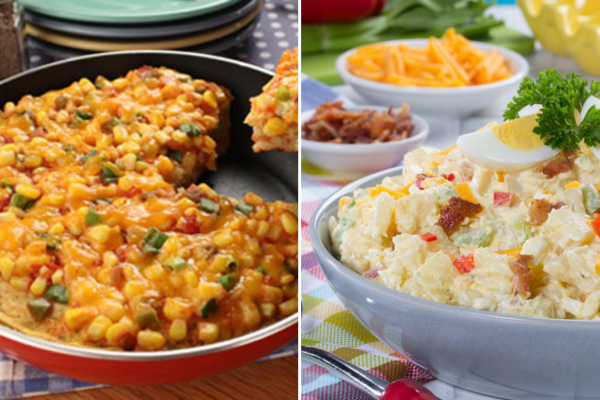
x: 276, y: 31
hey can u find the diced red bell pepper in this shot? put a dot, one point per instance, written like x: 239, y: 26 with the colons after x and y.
x: 503, y: 199
x: 428, y: 237
x: 451, y: 177
x: 465, y: 263
x: 596, y: 224
x: 325, y: 11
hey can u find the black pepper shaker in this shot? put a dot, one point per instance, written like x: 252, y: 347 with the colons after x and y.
x: 12, y: 51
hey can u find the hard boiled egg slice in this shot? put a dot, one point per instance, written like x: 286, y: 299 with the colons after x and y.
x: 506, y: 147
x: 591, y: 101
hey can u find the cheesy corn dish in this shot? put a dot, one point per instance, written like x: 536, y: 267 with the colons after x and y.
x: 100, y: 245
x: 274, y: 113
x: 523, y: 242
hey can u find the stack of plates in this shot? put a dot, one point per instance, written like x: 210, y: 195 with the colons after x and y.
x: 73, y: 27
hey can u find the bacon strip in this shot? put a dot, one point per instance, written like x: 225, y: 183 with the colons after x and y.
x: 523, y: 274
x: 455, y: 212
x: 556, y: 166
x: 540, y: 209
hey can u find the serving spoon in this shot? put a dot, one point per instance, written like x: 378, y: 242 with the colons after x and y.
x: 373, y: 386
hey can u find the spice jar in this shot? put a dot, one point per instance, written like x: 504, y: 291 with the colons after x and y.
x: 12, y: 51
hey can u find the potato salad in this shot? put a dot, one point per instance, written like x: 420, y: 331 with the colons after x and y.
x: 521, y: 242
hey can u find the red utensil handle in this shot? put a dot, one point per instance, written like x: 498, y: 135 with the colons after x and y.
x: 405, y: 389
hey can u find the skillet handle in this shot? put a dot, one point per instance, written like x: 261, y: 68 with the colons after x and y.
x: 370, y: 384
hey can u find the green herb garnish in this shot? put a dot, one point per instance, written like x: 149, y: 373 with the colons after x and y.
x: 89, y: 155
x: 228, y: 281
x: 190, y: 129
x: 86, y: 116
x: 175, y: 263
x: 110, y: 173
x: 175, y: 155
x: 92, y: 217
x: 20, y: 201
x: 244, y: 208
x: 209, y: 206
x: 210, y: 307
x: 57, y: 293
x: 560, y: 98
x: 153, y: 241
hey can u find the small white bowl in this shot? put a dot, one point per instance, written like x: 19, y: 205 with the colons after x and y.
x: 355, y: 160
x: 445, y: 101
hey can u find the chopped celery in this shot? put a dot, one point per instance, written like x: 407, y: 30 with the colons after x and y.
x: 479, y: 238
x: 591, y: 198
x: 523, y: 231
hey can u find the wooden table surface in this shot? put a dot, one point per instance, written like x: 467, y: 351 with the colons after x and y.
x: 274, y: 379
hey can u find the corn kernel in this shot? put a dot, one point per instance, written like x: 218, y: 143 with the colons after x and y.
x: 55, y: 200
x: 99, y: 233
x: 222, y: 238
x: 116, y: 331
x: 133, y: 289
x: 209, y: 290
x: 38, y: 287
x: 178, y: 330
x: 290, y: 223
x: 263, y: 228
x: 128, y: 162
x: 267, y: 310
x: 7, y: 158
x: 287, y: 278
x: 76, y: 318
x: 180, y: 137
x: 120, y: 134
x: 6, y: 267
x: 150, y: 340
x: 208, y: 332
x: 165, y: 165
x: 275, y: 126
x: 33, y: 161
x: 57, y: 276
x: 120, y: 83
x: 112, y: 309
x: 28, y: 191
x: 210, y: 99
x: 98, y: 328
x: 288, y: 307
x: 177, y: 309
x: 20, y: 283
x: 126, y: 183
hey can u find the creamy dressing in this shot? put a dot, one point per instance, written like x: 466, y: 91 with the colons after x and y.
x: 377, y: 235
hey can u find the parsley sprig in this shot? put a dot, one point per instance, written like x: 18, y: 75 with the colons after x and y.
x: 559, y: 98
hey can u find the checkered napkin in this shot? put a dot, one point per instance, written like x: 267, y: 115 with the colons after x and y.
x: 326, y: 323
x: 18, y: 379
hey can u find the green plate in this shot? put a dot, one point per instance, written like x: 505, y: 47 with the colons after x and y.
x: 125, y: 12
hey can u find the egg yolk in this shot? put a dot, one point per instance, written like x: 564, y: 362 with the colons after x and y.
x: 519, y: 134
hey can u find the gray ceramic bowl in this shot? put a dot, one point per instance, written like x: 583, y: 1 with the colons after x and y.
x: 494, y: 354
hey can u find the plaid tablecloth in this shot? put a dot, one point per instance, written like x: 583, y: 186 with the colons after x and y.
x: 326, y: 323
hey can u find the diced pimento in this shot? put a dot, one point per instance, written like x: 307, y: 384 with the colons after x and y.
x: 503, y: 199
x: 596, y: 224
x: 428, y: 237
x: 451, y: 177
x: 465, y: 263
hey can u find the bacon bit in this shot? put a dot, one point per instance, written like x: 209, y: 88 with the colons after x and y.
x: 523, y: 274
x: 455, y: 212
x: 371, y: 274
x: 196, y: 193
x: 503, y: 199
x: 428, y: 237
x: 4, y: 200
x: 134, y: 191
x: 117, y: 277
x: 465, y: 263
x: 189, y: 225
x: 556, y: 166
x: 540, y: 209
x: 121, y: 254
